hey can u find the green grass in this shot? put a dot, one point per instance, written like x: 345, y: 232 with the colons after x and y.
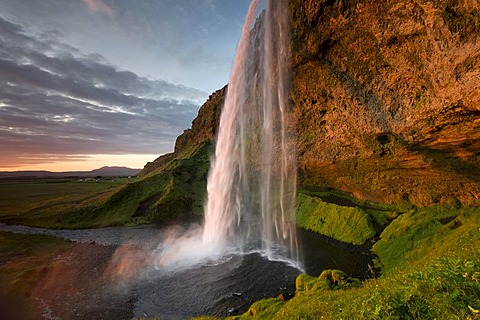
x: 445, y: 289
x: 19, y: 197
x: 33, y: 244
x: 328, y: 279
x: 177, y: 188
x: 422, y: 234
x: 347, y: 224
x: 262, y: 309
x: 68, y: 204
x: 431, y: 270
x: 119, y: 208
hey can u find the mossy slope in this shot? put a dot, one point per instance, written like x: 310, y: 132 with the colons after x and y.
x: 347, y: 224
x: 176, y: 190
x: 431, y: 265
x: 172, y: 186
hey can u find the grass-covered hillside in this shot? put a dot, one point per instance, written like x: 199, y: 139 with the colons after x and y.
x: 175, y: 189
x: 172, y: 186
x: 24, y: 201
x: 430, y: 269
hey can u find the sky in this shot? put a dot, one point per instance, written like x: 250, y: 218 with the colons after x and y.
x: 88, y: 83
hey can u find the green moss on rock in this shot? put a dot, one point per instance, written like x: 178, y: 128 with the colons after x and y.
x: 347, y: 224
x: 422, y: 234
x: 265, y: 309
x: 328, y: 279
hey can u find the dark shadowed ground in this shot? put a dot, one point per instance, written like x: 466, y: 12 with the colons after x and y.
x: 117, y: 279
x: 77, y: 284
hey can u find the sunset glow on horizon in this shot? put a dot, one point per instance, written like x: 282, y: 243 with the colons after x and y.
x: 92, y: 83
x: 86, y: 163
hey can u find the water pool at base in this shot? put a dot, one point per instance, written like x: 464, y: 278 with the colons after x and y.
x: 222, y: 286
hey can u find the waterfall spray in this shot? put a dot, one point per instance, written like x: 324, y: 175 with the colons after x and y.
x: 252, y: 180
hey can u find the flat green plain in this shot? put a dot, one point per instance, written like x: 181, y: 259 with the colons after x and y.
x: 20, y: 197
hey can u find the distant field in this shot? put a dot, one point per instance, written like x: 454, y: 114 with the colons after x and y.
x: 20, y: 197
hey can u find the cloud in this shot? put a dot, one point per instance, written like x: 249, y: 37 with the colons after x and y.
x: 99, y: 6
x: 56, y: 102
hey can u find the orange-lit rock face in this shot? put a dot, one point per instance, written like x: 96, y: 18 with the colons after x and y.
x: 385, y: 99
x: 377, y: 85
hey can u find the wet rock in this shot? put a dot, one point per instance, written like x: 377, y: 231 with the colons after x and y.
x: 285, y: 296
x: 232, y: 312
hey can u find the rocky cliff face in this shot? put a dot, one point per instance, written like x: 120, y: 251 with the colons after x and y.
x: 204, y: 128
x: 386, y: 98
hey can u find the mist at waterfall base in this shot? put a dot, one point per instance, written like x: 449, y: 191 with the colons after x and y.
x: 227, y: 283
x: 252, y: 179
x: 247, y: 247
x: 110, y: 273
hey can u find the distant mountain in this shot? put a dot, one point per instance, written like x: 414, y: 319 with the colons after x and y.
x: 103, y: 172
x: 115, y: 171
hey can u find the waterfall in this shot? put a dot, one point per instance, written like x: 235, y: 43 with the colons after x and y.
x: 252, y: 179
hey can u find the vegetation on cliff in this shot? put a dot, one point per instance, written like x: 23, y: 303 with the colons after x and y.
x: 333, y: 220
x: 386, y: 107
x: 177, y: 189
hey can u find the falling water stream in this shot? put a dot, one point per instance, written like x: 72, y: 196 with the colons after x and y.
x: 251, y: 185
x: 248, y: 244
x: 247, y: 248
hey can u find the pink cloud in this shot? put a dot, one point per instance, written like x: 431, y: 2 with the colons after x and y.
x: 99, y: 6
